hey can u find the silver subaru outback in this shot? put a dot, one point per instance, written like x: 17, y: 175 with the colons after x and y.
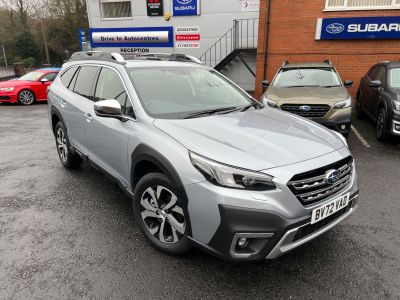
x: 205, y: 164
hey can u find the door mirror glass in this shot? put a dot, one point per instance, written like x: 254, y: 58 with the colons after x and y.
x: 108, y: 109
x: 375, y: 83
x: 348, y: 83
x: 265, y: 83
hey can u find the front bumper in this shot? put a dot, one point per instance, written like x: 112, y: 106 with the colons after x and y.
x: 396, y: 124
x: 8, y: 97
x: 273, y: 222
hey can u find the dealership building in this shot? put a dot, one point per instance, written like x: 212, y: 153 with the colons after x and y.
x: 353, y: 34
x: 223, y: 33
x: 249, y: 40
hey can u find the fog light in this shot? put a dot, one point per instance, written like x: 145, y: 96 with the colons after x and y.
x: 242, y: 242
x: 343, y: 127
x: 397, y: 127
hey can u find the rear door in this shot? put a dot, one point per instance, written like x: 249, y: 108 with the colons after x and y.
x: 41, y: 88
x: 107, y: 138
x: 75, y: 105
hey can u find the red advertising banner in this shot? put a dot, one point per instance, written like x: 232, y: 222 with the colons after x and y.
x: 187, y: 37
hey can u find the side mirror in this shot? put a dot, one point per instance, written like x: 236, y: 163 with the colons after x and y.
x: 108, y: 109
x: 44, y: 80
x: 348, y: 83
x: 265, y: 84
x: 375, y: 83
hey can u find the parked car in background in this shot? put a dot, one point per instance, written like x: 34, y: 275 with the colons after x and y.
x: 29, y: 88
x: 204, y: 162
x: 314, y: 91
x: 379, y: 98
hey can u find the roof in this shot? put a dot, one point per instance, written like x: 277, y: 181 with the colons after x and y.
x: 49, y: 69
x: 395, y: 64
x: 307, y: 65
x: 158, y: 63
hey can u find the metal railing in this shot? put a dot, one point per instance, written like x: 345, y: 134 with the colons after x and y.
x: 242, y: 35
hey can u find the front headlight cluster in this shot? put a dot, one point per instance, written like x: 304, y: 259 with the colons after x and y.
x: 231, y: 177
x: 396, y: 105
x: 343, y: 104
x: 269, y: 102
x: 7, y: 89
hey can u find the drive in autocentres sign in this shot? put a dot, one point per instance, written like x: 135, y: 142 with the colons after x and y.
x: 185, y: 7
x: 132, y: 37
x: 358, y: 28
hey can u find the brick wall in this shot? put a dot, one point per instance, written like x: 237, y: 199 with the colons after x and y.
x: 292, y: 37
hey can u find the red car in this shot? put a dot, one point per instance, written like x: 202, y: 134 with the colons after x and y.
x: 29, y: 88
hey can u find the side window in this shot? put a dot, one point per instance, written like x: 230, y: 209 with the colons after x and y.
x: 372, y: 74
x: 109, y: 86
x: 382, y: 75
x: 50, y: 76
x: 67, y: 76
x: 84, y: 81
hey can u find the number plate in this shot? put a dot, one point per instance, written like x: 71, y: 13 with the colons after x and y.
x: 329, y: 208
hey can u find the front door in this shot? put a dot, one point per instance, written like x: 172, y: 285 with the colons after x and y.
x: 107, y: 138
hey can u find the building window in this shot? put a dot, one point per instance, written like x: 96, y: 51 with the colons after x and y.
x: 114, y: 9
x: 361, y: 4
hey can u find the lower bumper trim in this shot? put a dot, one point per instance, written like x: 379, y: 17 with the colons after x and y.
x: 287, y: 242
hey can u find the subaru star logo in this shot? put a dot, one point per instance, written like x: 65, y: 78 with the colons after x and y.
x: 305, y: 108
x: 335, y: 28
x: 332, y: 176
x: 184, y: 1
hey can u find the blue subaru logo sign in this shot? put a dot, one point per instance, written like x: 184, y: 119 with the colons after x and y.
x: 335, y: 28
x: 332, y: 176
x: 185, y: 7
x: 305, y: 108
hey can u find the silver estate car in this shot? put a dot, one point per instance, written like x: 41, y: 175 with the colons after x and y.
x: 205, y: 163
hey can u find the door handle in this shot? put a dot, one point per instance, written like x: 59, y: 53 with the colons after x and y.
x: 88, y: 117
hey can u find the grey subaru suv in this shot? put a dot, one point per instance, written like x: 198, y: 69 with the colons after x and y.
x: 205, y: 164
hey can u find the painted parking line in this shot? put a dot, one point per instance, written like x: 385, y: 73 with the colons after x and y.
x: 360, y: 137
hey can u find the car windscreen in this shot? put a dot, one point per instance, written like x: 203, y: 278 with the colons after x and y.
x: 306, y: 77
x: 32, y: 76
x: 178, y: 92
x: 395, y: 78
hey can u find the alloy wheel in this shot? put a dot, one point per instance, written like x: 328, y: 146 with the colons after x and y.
x: 26, y: 97
x: 162, y: 214
x: 380, y: 124
x: 62, y: 145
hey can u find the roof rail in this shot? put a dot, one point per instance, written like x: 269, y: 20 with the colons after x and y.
x: 384, y: 62
x: 122, y: 58
x: 329, y: 62
x: 98, y: 55
x: 165, y: 56
x: 285, y: 63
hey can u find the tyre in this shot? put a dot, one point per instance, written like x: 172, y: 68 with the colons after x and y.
x: 159, y: 214
x: 359, y: 113
x: 26, y: 97
x: 68, y: 159
x: 381, y: 131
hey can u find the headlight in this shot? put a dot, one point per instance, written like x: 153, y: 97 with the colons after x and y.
x: 343, y: 104
x: 269, y: 102
x: 396, y: 105
x: 231, y: 177
x: 7, y: 89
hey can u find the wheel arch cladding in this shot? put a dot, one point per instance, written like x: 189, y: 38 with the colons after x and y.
x: 145, y: 156
x: 56, y: 117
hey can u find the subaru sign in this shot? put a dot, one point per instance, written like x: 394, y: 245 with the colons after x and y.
x: 185, y: 7
x: 358, y: 28
x: 132, y: 37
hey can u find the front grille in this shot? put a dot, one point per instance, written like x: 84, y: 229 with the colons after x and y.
x: 311, y: 187
x: 311, y: 228
x: 316, y: 110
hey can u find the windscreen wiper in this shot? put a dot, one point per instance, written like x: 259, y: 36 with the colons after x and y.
x: 330, y: 86
x: 209, y: 112
x: 254, y: 104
